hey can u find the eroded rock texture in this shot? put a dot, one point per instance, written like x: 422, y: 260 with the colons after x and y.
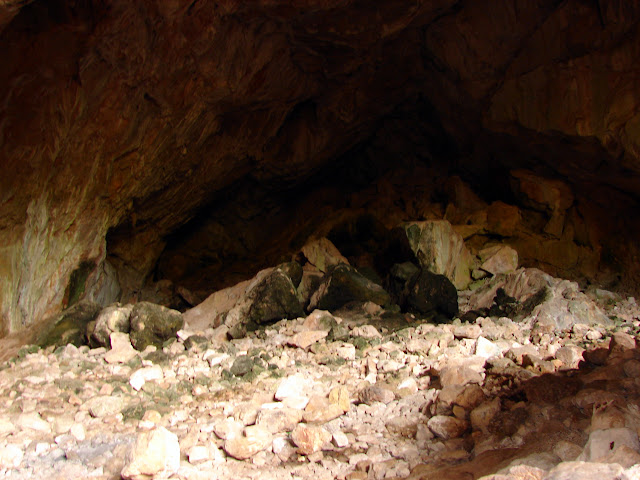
x: 199, y: 141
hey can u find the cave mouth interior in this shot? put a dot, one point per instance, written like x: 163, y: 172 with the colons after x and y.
x: 402, y: 171
x: 213, y: 140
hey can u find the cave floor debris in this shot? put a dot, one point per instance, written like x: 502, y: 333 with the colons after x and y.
x: 357, y: 401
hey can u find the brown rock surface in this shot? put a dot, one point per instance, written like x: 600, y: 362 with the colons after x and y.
x: 199, y: 141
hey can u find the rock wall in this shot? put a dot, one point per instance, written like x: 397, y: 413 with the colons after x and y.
x: 122, y: 121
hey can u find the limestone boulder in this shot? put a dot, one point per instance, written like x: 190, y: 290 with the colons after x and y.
x: 155, y: 454
x: 274, y: 298
x: 323, y: 254
x: 399, y: 280
x: 441, y: 250
x: 498, y: 259
x: 269, y: 296
x: 433, y: 294
x: 213, y: 310
x: 153, y: 324
x: 567, y: 306
x: 343, y: 284
x: 69, y: 326
x: 114, y: 318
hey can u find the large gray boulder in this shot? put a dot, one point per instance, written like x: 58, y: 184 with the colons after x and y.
x: 343, y: 284
x: 268, y: 297
x: 275, y: 298
x: 441, y: 250
x: 433, y: 294
x: 69, y: 326
x: 153, y: 324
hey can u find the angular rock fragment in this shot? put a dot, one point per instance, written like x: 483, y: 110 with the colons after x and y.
x: 309, y: 439
x: 343, y: 284
x: 441, y: 250
x: 121, y: 349
x: 252, y: 440
x: 155, y: 454
x: 114, y: 318
x: 274, y: 298
x: 432, y: 293
x: 499, y: 259
x: 153, y: 324
x: 446, y: 427
x: 279, y: 420
x: 375, y: 393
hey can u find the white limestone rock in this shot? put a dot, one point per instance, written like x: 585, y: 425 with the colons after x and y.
x: 146, y: 374
x: 155, y: 454
x: 121, y: 349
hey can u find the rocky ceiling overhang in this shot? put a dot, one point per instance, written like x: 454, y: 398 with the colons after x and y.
x: 122, y: 121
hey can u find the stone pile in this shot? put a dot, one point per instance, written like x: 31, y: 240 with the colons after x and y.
x: 363, y: 392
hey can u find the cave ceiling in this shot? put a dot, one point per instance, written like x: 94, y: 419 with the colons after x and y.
x: 124, y: 124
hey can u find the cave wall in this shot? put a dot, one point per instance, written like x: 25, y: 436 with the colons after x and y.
x: 122, y: 121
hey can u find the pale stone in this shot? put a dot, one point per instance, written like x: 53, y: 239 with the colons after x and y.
x: 346, y: 351
x: 112, y: 319
x: 33, y: 421
x: 403, y: 425
x: 603, y: 442
x: 447, y: 427
x: 323, y: 414
x: 467, y: 331
x: 585, y: 471
x: 441, y: 250
x: 524, y: 472
x: 299, y: 403
x: 624, y: 456
x: 78, y: 432
x: 121, y: 349
x: 11, y: 456
x: 486, y: 348
x: 280, y: 420
x: 291, y: 386
x: 252, y: 440
x: 283, y: 448
x: 155, y: 454
x: 408, y: 386
x: 308, y: 338
x: 471, y: 396
x: 339, y: 439
x: 366, y: 331
x: 323, y: 254
x: 340, y: 396
x: 102, y: 406
x: 146, y: 374
x: 198, y: 454
x: 621, y: 342
x: 567, y: 451
x: 309, y: 439
x: 459, y: 375
x: 152, y: 416
x: 215, y: 358
x: 499, y: 259
x: 6, y: 426
x: 228, y: 428
x: 570, y: 355
x: 376, y: 393
x: 319, y: 320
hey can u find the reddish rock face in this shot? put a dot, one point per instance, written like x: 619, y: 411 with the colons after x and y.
x: 143, y: 140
